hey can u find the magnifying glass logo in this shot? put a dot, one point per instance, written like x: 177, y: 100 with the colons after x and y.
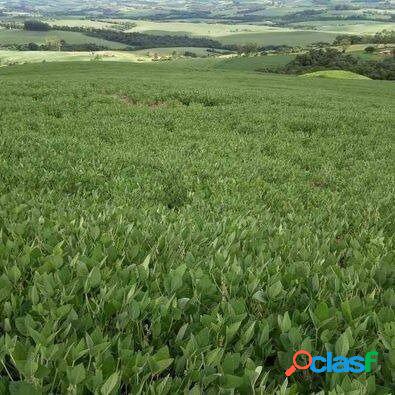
x: 292, y: 369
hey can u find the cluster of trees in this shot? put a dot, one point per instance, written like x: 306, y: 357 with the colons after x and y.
x: 11, y: 25
x: 332, y: 59
x: 36, y: 26
x: 55, y: 45
x: 125, y: 25
x: 141, y: 40
x: 345, y: 7
x: 190, y: 54
x: 84, y: 47
x: 301, y: 16
x: 383, y: 37
x: 253, y: 48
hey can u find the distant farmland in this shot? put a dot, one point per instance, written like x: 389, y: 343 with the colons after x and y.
x: 291, y: 38
x: 24, y: 37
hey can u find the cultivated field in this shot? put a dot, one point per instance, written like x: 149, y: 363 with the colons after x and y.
x: 324, y: 31
x: 11, y: 57
x: 335, y: 74
x: 230, y: 62
x: 291, y: 38
x: 169, y: 51
x: 81, y: 23
x: 200, y: 28
x: 169, y: 229
x: 351, y: 27
x: 25, y: 37
x: 253, y: 63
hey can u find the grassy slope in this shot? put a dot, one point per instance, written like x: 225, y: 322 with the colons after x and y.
x: 231, y: 63
x: 64, y: 56
x: 80, y: 23
x: 7, y: 57
x: 279, y: 38
x: 349, y: 26
x: 253, y: 63
x: 168, y: 51
x: 336, y: 74
x: 23, y: 37
x: 268, y: 36
x: 263, y: 202
x: 219, y: 29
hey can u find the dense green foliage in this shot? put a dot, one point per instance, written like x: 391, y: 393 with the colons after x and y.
x: 36, y: 26
x: 322, y: 15
x: 330, y: 58
x: 166, y: 229
x: 384, y: 37
x: 141, y: 40
x: 57, y: 45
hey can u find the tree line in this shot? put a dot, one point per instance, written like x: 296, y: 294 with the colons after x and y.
x: 36, y: 26
x: 56, y: 45
x: 333, y: 59
x: 383, y: 37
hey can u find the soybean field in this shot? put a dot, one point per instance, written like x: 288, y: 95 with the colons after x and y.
x: 166, y: 228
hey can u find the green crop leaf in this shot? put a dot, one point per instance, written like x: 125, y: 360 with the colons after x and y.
x: 76, y: 374
x: 231, y: 331
x: 274, y: 290
x: 5, y: 287
x: 214, y: 357
x: 177, y: 277
x: 232, y: 382
x: 285, y: 322
x: 23, y: 388
x: 93, y: 280
x: 14, y: 274
x: 342, y: 345
x: 259, y: 296
x: 144, y: 268
x: 158, y: 367
x: 346, y: 309
x: 322, y: 312
x: 111, y: 384
x: 30, y: 367
x: 246, y: 334
x: 146, y: 263
x: 181, y: 332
